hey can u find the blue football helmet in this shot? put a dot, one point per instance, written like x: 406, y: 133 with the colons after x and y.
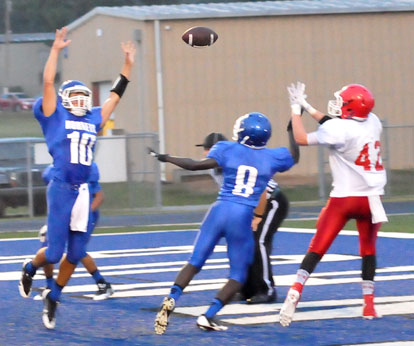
x: 252, y: 130
x: 78, y: 105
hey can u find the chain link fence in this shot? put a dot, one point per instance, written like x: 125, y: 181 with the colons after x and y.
x: 131, y: 179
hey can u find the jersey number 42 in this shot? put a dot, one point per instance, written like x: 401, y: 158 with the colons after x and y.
x: 364, y: 160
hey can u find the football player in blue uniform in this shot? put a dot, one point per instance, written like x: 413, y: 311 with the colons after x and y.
x: 247, y: 166
x: 97, y: 197
x: 70, y: 125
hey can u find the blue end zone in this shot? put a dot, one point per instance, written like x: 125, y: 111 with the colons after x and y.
x: 142, y: 267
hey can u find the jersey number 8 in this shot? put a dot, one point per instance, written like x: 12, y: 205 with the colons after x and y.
x: 242, y: 188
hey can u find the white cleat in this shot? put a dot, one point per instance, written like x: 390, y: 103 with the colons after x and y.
x: 206, y: 323
x: 289, y: 306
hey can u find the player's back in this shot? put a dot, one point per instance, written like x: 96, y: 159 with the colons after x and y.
x: 246, y: 171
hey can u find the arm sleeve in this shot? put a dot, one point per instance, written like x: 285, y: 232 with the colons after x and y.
x: 38, y: 110
x: 331, y: 133
x: 190, y: 164
x: 284, y: 159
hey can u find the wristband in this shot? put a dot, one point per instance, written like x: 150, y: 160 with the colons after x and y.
x: 257, y: 215
x: 296, y: 109
x: 120, y: 85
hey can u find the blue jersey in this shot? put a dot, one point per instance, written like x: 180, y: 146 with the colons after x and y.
x: 93, y: 181
x: 70, y: 140
x: 246, y: 171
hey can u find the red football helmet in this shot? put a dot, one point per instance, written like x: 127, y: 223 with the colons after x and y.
x: 353, y: 101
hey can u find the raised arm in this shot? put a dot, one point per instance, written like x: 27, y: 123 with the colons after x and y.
x: 183, y: 162
x: 49, y: 72
x: 121, y: 82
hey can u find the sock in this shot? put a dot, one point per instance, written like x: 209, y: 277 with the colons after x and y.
x: 301, y: 278
x: 367, y: 287
x: 176, y: 292
x: 49, y: 282
x: 30, y: 269
x: 214, y: 308
x: 55, y: 292
x: 98, y: 277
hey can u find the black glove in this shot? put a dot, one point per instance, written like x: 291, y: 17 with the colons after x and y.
x: 160, y: 157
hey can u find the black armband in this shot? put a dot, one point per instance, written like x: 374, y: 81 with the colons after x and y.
x: 325, y: 118
x: 120, y: 85
x: 257, y: 215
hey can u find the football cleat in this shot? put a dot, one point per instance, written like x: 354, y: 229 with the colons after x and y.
x: 25, y: 283
x: 104, y: 291
x: 206, y: 323
x: 161, y: 321
x: 289, y: 306
x: 263, y: 298
x: 368, y: 311
x: 49, y: 310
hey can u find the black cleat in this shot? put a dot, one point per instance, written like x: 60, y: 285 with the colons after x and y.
x: 25, y: 283
x: 263, y: 298
x: 49, y: 310
x: 104, y: 291
x: 206, y: 323
x: 161, y: 321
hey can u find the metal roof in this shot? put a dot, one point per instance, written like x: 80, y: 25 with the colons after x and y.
x: 248, y: 9
x: 20, y: 38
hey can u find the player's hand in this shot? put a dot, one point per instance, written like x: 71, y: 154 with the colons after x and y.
x: 158, y: 156
x: 297, y: 96
x: 60, y: 41
x: 255, y: 223
x: 129, y: 50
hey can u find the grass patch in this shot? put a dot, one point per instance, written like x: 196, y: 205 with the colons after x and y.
x: 397, y: 223
x: 19, y: 124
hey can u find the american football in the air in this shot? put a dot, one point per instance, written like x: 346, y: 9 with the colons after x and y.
x: 199, y: 36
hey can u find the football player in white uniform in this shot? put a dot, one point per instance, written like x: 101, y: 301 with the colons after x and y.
x: 353, y: 139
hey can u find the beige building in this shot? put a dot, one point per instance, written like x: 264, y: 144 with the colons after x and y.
x: 22, y: 58
x: 183, y: 93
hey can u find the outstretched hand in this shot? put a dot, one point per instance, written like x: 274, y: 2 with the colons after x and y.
x: 60, y: 41
x: 160, y: 157
x: 129, y: 50
x: 297, y: 94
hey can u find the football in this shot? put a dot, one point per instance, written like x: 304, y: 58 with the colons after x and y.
x: 199, y: 36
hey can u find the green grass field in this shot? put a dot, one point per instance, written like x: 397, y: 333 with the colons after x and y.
x: 398, y: 223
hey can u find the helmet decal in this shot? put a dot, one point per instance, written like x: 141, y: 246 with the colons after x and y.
x: 252, y: 130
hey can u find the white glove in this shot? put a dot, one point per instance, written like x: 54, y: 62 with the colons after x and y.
x: 297, y: 98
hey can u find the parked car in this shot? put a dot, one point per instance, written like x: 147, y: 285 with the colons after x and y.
x: 14, y: 178
x: 16, y: 102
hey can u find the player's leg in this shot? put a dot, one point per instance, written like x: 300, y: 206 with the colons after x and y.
x: 367, y: 240
x: 58, y: 225
x: 331, y: 220
x: 204, y: 245
x: 104, y: 288
x: 276, y: 211
x: 240, y: 250
x: 59, y: 206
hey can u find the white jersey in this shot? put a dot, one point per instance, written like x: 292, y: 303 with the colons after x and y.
x: 354, y: 155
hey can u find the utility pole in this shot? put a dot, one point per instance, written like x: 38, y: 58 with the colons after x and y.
x: 7, y: 39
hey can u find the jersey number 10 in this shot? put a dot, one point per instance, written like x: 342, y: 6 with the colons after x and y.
x: 81, y: 147
x: 364, y: 160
